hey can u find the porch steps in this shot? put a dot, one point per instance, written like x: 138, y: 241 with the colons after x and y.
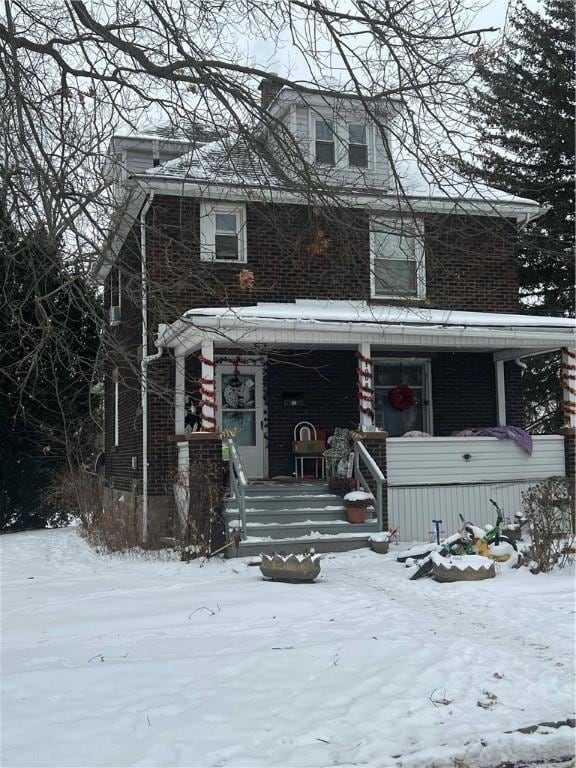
x: 293, y: 517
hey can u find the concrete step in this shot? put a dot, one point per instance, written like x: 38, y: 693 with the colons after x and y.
x: 270, y: 503
x: 291, y: 515
x: 309, y: 528
x: 340, y: 543
x: 286, y: 489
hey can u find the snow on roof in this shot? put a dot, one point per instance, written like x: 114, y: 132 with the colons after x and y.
x: 411, y: 180
x: 231, y: 160
x: 195, y: 132
x: 360, y: 312
x: 246, y: 162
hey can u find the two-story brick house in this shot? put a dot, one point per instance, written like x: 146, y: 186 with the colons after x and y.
x: 363, y: 298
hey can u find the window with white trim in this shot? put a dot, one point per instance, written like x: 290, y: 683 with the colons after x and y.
x: 397, y: 259
x: 325, y: 141
x: 223, y: 232
x: 413, y: 377
x: 357, y: 145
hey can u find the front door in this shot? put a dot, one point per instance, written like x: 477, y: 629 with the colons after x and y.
x: 241, y: 409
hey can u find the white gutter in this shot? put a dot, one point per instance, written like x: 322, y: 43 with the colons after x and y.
x: 146, y: 359
x: 376, y: 200
x: 171, y: 335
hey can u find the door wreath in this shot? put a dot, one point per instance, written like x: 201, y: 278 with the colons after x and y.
x: 401, y: 398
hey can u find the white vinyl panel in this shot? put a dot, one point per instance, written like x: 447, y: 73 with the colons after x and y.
x: 424, y: 461
x: 413, y: 509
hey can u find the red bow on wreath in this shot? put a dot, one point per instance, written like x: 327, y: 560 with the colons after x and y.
x: 401, y: 398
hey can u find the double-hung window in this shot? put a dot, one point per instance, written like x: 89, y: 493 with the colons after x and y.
x: 357, y: 145
x: 325, y: 149
x: 223, y: 232
x: 397, y: 263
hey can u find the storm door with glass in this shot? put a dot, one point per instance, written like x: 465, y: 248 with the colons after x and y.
x: 401, y: 396
x: 240, y: 410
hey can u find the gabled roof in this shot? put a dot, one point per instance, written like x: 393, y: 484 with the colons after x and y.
x: 183, y: 131
x: 230, y: 160
x: 246, y: 162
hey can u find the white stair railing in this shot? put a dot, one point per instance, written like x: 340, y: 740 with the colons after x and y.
x: 362, y: 458
x: 238, y: 483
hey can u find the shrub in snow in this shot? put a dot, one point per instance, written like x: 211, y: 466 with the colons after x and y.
x: 358, y: 499
x: 549, y: 506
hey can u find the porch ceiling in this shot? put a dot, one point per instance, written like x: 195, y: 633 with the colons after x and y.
x: 308, y: 323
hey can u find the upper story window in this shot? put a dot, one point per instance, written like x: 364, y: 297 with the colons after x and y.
x: 397, y: 259
x: 325, y: 150
x: 223, y: 232
x: 357, y: 145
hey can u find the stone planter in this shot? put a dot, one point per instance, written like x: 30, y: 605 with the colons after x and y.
x: 381, y: 547
x: 447, y: 572
x: 291, y: 568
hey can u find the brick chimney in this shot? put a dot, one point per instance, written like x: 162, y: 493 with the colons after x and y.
x: 268, y: 88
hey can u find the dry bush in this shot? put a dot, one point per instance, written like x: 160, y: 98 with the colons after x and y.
x: 74, y: 494
x: 201, y: 519
x: 108, y: 521
x: 549, y: 506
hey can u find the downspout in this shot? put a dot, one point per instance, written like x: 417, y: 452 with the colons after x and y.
x: 146, y: 359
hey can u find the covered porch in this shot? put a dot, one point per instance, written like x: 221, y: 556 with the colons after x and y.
x: 256, y: 372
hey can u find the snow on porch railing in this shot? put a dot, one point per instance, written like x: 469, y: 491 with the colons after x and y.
x: 238, y: 483
x: 362, y: 456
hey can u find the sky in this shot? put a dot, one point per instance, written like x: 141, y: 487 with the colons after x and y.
x: 277, y: 55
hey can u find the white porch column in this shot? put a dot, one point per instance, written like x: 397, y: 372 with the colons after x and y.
x: 208, y: 387
x: 365, y: 388
x: 500, y: 394
x: 181, y: 486
x: 568, y: 382
x: 179, y: 394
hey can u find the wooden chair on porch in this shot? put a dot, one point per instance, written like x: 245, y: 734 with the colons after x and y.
x: 308, y: 448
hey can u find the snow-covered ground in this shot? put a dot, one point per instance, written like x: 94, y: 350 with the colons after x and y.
x: 111, y: 661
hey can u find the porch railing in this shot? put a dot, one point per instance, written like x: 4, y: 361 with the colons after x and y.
x: 238, y: 483
x: 363, y: 459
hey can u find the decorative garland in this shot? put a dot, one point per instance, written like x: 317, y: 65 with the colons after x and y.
x: 365, y: 391
x: 401, y: 398
x: 568, y: 405
x: 208, y: 397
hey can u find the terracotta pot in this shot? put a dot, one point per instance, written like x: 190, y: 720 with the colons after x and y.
x: 356, y: 514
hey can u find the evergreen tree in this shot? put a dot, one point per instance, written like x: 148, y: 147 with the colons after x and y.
x: 48, y: 343
x: 524, y: 107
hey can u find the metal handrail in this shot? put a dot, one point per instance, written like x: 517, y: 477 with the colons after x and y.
x: 238, y: 483
x: 361, y: 453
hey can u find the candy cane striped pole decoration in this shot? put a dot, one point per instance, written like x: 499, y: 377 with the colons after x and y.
x: 208, y: 387
x: 365, y: 388
x: 568, y: 382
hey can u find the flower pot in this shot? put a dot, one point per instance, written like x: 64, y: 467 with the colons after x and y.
x: 356, y: 514
x: 381, y: 547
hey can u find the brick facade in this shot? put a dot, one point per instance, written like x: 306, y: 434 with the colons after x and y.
x: 570, y: 453
x: 470, y: 265
x: 470, y: 261
x: 464, y: 392
x: 326, y: 380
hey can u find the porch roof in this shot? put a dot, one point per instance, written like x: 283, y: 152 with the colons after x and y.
x: 351, y: 322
